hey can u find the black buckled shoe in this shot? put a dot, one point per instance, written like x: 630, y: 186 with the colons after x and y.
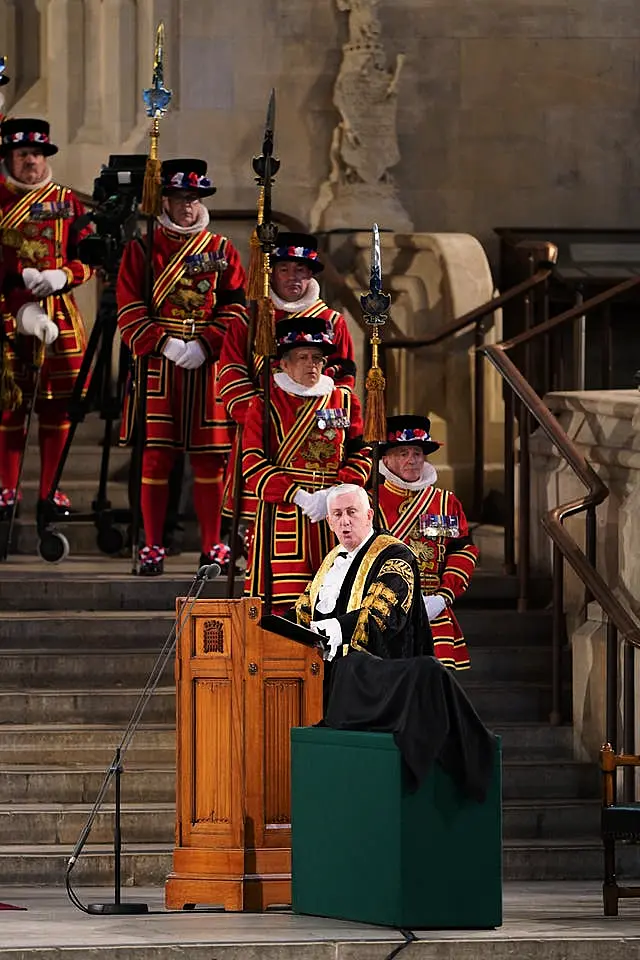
x: 220, y: 553
x: 151, y: 561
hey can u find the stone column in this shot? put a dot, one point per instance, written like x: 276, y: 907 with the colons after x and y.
x: 605, y: 425
x: 96, y: 71
x: 119, y: 92
x: 8, y: 49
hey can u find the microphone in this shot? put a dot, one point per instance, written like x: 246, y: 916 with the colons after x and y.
x: 209, y: 571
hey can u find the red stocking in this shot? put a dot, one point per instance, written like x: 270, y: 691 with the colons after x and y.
x: 52, y: 434
x: 208, y: 484
x: 11, y: 444
x: 154, y: 498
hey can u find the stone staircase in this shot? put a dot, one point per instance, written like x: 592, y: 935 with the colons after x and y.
x: 78, y: 641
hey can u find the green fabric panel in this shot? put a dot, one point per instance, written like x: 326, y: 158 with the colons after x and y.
x: 365, y: 849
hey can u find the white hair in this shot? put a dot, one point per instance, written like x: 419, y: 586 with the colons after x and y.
x: 348, y: 488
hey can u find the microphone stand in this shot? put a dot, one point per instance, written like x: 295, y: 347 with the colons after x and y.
x: 204, y: 574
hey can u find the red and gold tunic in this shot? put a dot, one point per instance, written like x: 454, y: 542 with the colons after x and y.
x: 432, y: 522
x: 237, y: 384
x: 307, y: 453
x: 38, y: 230
x: 198, y: 289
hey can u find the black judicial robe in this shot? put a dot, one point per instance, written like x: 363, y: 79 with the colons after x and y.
x: 379, y: 607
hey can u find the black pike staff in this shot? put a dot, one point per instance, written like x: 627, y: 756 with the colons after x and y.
x: 266, y: 167
x: 258, y: 321
x: 375, y: 311
x: 156, y: 99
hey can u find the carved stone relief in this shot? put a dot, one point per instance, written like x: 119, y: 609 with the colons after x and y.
x: 364, y: 145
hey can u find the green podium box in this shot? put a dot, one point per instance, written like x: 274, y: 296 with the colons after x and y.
x: 366, y: 849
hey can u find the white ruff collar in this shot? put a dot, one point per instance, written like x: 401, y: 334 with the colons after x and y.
x: 292, y: 306
x: 428, y: 478
x: 26, y: 187
x: 319, y: 389
x: 201, y: 223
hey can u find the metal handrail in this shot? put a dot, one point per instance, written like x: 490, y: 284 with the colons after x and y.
x: 472, y: 316
x: 597, y: 491
x: 572, y: 314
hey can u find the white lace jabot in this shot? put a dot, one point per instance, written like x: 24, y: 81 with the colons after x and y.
x: 336, y: 575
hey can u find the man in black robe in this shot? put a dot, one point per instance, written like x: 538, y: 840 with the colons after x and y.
x: 366, y: 601
x: 366, y: 595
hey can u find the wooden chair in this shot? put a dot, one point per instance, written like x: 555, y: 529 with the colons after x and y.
x: 619, y: 821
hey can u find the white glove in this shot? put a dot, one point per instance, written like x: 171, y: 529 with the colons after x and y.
x: 32, y: 321
x: 434, y: 605
x: 43, y: 283
x: 303, y: 499
x: 313, y: 505
x: 174, y: 349
x: 333, y: 633
x: 193, y: 357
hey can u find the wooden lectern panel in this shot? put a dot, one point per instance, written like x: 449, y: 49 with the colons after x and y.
x: 239, y: 692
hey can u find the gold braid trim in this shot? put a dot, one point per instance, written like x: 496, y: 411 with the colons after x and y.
x: 378, y: 604
x: 303, y: 609
x: 402, y: 569
x: 381, y: 543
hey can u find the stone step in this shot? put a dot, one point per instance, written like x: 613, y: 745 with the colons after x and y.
x: 89, y: 744
x: 75, y: 777
x: 45, y: 864
x: 77, y: 626
x: 80, y: 584
x: 84, y: 706
x: 150, y: 864
x: 495, y: 703
x: 94, y: 743
x: 500, y: 701
x: 526, y: 663
x: 46, y: 668
x: 551, y: 819
x: 81, y: 535
x: 100, y: 665
x: 492, y: 628
x: 81, y: 493
x: 83, y: 462
x: 534, y: 741
x: 57, y: 823
x: 543, y: 780
x: 142, y: 782
x: 489, y: 589
x: 567, y: 859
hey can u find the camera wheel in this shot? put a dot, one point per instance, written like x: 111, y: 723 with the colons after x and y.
x: 53, y: 547
x: 110, y: 540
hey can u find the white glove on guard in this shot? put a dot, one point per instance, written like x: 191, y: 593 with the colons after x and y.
x: 313, y: 505
x: 42, y: 283
x: 174, y: 349
x: 333, y: 633
x: 32, y: 321
x: 434, y: 605
x: 193, y: 357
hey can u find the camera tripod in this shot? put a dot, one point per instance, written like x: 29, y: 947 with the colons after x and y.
x: 93, y: 389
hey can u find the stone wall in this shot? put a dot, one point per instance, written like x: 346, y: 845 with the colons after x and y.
x: 510, y: 111
x: 605, y: 427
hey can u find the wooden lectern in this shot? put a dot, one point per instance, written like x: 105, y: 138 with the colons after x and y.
x: 239, y: 692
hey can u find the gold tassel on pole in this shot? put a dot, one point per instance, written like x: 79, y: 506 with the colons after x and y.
x: 255, y: 273
x: 151, y: 204
x: 375, y: 308
x: 156, y: 99
x: 265, y: 327
x: 375, y: 410
x: 10, y: 392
